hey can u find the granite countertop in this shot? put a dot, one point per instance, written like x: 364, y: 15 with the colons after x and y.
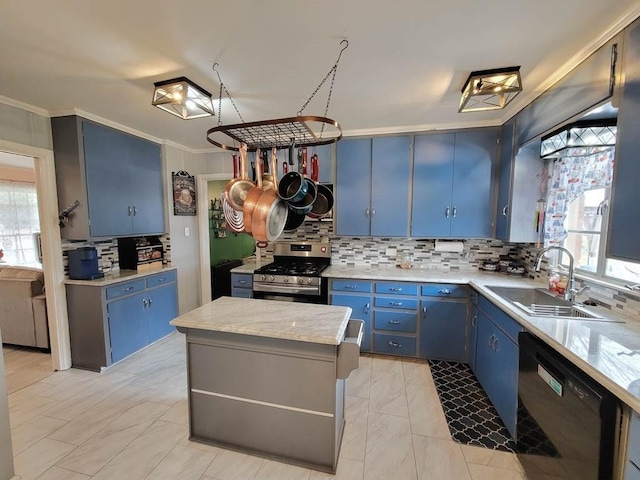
x: 265, y: 318
x: 116, y: 277
x: 608, y: 352
x: 248, y: 267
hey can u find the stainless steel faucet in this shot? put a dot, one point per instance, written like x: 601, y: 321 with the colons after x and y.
x: 570, y: 292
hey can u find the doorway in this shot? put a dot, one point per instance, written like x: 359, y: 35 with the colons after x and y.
x: 43, y: 165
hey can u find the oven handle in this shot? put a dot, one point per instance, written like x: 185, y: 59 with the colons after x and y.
x: 291, y: 289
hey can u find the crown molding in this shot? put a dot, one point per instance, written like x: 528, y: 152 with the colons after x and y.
x: 24, y: 106
x: 426, y: 127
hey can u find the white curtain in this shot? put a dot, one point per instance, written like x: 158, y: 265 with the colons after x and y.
x: 572, y: 176
x: 18, y: 221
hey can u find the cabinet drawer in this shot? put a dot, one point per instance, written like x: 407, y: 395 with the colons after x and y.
x: 633, y: 449
x: 242, y: 280
x: 155, y: 280
x: 501, y: 319
x: 396, y: 321
x: 397, y: 288
x: 351, y: 286
x: 394, y: 344
x: 445, y: 290
x: 391, y: 302
x: 126, y: 288
x: 241, y: 292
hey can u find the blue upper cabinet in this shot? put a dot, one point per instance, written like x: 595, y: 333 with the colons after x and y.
x: 432, y: 184
x: 115, y: 177
x: 472, y: 199
x: 452, y: 188
x: 504, y: 179
x: 624, y: 228
x: 372, y: 184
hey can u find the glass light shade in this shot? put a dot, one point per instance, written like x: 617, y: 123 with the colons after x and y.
x: 490, y: 89
x: 182, y: 98
x: 578, y: 141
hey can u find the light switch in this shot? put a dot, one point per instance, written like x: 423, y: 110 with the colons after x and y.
x: 186, y: 231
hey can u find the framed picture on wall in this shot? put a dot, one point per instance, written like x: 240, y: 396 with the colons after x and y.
x: 184, y: 193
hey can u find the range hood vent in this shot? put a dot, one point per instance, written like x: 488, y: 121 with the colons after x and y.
x: 579, y: 140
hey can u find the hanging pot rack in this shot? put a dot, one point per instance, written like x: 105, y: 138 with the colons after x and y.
x: 303, y: 130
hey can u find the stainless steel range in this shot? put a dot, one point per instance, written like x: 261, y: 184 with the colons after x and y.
x: 294, y: 274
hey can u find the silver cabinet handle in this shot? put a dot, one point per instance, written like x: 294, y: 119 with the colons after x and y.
x: 367, y: 212
x: 350, y: 287
x: 135, y: 211
x: 162, y: 279
x: 366, y: 308
x: 395, y: 289
x: 150, y: 301
x: 491, y: 340
x: 494, y: 344
x: 373, y: 212
x: 504, y: 210
x: 129, y: 210
x: 446, y: 212
x: 395, y: 304
x: 144, y: 303
x: 394, y: 322
x: 242, y: 282
x: 128, y: 289
x: 395, y: 344
x: 424, y: 312
x: 455, y: 211
x: 445, y: 291
x: 474, y: 321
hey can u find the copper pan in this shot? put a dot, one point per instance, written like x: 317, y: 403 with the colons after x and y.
x: 252, y: 197
x: 270, y: 213
x: 237, y: 189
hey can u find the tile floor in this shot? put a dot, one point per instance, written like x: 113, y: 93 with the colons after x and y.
x: 130, y: 423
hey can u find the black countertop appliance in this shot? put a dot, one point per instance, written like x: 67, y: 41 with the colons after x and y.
x: 83, y: 264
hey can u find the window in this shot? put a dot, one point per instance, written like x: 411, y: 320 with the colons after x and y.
x: 18, y: 222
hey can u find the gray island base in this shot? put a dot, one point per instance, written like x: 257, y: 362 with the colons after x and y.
x: 267, y: 377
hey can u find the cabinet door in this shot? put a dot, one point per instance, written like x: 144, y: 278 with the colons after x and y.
x: 391, y: 171
x: 624, y: 228
x: 443, y: 330
x: 432, y: 183
x: 353, y: 187
x: 106, y: 156
x: 484, y: 353
x: 504, y: 180
x: 127, y: 326
x: 472, y: 200
x: 504, y: 391
x: 361, y: 306
x: 145, y: 184
x: 162, y: 307
x: 473, y: 337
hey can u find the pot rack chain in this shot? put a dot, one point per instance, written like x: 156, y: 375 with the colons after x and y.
x: 222, y: 87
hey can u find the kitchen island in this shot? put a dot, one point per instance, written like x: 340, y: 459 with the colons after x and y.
x: 267, y: 377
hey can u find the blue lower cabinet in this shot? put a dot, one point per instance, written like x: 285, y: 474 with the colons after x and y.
x: 395, y: 321
x: 443, y: 330
x: 473, y: 336
x: 361, y: 310
x: 241, y: 292
x: 497, y: 370
x: 162, y: 307
x: 394, y: 344
x: 128, y: 329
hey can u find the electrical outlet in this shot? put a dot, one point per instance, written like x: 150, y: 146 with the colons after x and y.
x: 186, y: 231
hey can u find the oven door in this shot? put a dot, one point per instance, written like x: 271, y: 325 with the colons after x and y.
x: 291, y: 293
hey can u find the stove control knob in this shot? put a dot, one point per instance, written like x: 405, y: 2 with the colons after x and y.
x: 310, y: 281
x: 286, y: 279
x: 300, y: 280
x: 263, y: 278
x: 271, y: 278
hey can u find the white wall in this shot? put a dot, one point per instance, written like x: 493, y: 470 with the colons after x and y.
x: 185, y: 249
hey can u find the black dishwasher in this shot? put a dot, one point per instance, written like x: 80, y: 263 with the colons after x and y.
x: 567, y: 422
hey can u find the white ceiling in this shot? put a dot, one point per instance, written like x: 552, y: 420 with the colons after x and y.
x: 403, y: 71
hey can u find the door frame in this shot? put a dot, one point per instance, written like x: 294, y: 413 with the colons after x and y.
x: 53, y: 266
x: 202, y: 181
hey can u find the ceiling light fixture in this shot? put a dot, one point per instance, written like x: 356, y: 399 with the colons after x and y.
x: 490, y: 89
x: 182, y: 98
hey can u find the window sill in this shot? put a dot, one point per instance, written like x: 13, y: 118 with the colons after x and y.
x: 605, y: 282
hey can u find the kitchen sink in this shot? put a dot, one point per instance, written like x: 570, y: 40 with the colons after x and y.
x: 539, y: 302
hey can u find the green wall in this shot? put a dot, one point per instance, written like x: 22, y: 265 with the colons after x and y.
x: 234, y: 245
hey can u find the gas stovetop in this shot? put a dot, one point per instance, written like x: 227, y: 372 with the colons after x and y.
x: 302, y: 268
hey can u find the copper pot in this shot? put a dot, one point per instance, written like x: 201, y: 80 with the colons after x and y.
x: 237, y: 189
x: 270, y: 213
x: 252, y: 197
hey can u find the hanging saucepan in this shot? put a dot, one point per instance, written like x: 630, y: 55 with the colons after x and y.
x: 292, y: 186
x: 237, y: 189
x: 324, y: 201
x: 270, y: 213
x: 252, y: 197
x: 232, y: 217
x: 306, y: 204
